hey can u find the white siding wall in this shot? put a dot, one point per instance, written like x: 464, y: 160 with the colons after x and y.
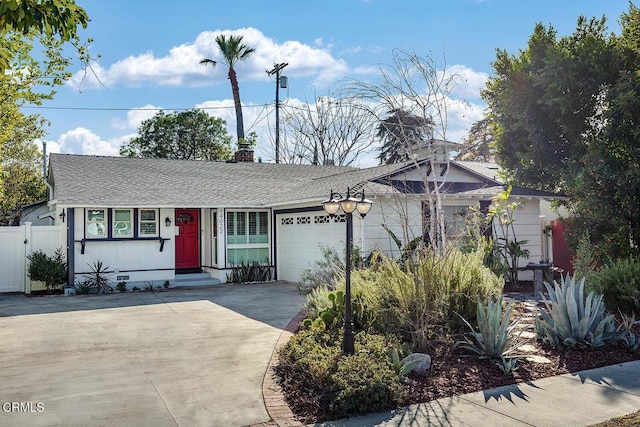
x: 141, y: 260
x: 454, y: 175
x: 401, y: 215
x: 206, y: 238
x: 528, y: 226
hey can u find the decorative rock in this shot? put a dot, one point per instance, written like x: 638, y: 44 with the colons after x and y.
x: 537, y: 359
x: 526, y: 335
x: 423, y: 365
x: 527, y: 348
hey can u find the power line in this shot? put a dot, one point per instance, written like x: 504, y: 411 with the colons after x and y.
x: 42, y: 107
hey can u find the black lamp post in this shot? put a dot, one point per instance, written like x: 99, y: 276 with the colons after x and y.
x: 348, y: 204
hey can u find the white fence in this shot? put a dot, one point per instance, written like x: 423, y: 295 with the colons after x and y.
x: 18, y: 242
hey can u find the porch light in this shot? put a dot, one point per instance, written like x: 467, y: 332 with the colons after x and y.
x: 348, y: 205
x: 167, y: 222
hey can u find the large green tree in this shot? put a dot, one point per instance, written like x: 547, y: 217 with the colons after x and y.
x: 566, y: 113
x: 25, y: 27
x: 399, y: 131
x: 27, y: 82
x: 545, y: 101
x: 58, y: 19
x: 479, y: 144
x: 607, y: 192
x: 23, y: 181
x: 233, y: 50
x: 186, y: 135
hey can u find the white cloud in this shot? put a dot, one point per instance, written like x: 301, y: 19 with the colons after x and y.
x: 52, y: 146
x: 469, y: 81
x: 83, y: 141
x: 460, y: 117
x: 181, y: 65
x: 135, y: 117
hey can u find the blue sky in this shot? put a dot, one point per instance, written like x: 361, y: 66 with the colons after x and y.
x: 150, y: 53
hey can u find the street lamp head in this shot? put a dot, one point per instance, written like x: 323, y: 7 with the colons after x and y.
x: 349, y: 204
x: 364, y: 206
x: 332, y: 205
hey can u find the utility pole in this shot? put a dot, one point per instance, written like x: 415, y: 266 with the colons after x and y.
x: 277, y: 68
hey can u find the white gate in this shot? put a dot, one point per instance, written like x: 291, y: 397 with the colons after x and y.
x: 18, y: 242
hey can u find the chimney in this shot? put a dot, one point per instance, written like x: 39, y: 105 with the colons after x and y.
x: 244, y: 154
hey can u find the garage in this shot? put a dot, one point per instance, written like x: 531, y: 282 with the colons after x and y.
x: 299, y: 237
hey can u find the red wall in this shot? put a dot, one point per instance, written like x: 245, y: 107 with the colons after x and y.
x: 562, y: 257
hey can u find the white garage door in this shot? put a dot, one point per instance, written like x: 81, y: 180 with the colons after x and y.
x: 299, y: 237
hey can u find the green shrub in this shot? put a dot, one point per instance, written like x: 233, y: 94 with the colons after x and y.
x: 250, y: 272
x: 82, y: 288
x: 365, y: 385
x: 584, y: 263
x: 420, y: 298
x: 325, y: 273
x: 314, y: 352
x: 50, y: 270
x: 573, y: 320
x: 331, y: 384
x: 333, y: 309
x: 317, y: 301
x: 620, y: 285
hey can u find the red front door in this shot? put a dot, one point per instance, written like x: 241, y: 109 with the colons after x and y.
x: 187, y: 239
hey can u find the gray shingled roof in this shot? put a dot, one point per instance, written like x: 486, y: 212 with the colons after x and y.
x: 488, y: 170
x: 117, y: 181
x: 122, y: 182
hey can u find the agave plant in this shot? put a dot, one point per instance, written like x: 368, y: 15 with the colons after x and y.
x: 571, y: 319
x: 494, y: 337
x: 626, y: 334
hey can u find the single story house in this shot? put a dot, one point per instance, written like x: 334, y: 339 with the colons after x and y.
x: 153, y: 219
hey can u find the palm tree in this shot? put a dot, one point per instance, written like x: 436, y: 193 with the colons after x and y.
x: 399, y: 132
x: 233, y: 50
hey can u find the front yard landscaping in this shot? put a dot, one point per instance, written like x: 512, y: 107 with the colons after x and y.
x: 417, y: 305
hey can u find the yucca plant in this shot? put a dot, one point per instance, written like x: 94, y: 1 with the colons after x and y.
x: 569, y: 318
x: 494, y: 338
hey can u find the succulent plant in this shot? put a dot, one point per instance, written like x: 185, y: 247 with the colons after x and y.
x: 494, y: 337
x: 569, y: 318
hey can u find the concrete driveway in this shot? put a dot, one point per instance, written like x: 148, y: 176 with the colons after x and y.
x: 192, y: 357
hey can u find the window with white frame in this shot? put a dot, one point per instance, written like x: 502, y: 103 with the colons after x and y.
x: 247, y: 237
x: 123, y: 223
x: 96, y: 226
x: 454, y: 217
x: 148, y: 223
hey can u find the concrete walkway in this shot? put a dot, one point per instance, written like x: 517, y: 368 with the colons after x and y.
x: 177, y: 358
x: 581, y: 399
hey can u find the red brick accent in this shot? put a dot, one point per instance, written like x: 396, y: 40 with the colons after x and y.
x: 244, y: 155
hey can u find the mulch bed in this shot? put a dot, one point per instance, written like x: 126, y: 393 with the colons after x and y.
x: 453, y: 372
